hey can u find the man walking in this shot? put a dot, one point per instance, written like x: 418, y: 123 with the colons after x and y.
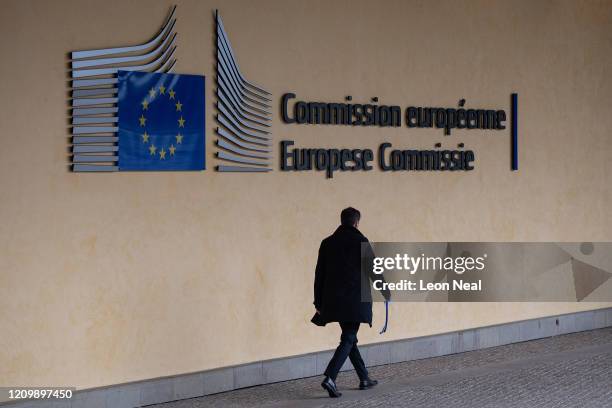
x: 338, y: 297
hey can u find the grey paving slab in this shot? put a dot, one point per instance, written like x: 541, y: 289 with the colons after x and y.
x: 188, y: 386
x: 322, y: 359
x: 41, y: 404
x: 488, y: 337
x: 423, y: 347
x: 377, y: 354
x: 218, y: 380
x: 399, y: 351
x: 530, y: 330
x: 124, y: 396
x: 290, y: 368
x: 53, y: 404
x: 600, y: 319
x: 466, y: 341
x: 91, y: 399
x: 157, y: 390
x: 567, y: 324
x: 248, y: 375
x: 509, y: 334
x: 548, y: 326
x: 585, y: 321
x: 446, y: 344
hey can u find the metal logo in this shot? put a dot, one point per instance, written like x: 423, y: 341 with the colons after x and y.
x: 243, y: 116
x: 94, y: 94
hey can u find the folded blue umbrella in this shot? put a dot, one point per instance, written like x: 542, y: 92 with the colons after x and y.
x: 384, y: 329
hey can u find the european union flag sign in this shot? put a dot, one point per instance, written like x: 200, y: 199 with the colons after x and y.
x: 161, y: 121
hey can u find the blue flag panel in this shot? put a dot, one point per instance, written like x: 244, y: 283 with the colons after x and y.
x: 161, y: 121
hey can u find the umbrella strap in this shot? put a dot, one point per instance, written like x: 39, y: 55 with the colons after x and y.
x: 384, y: 329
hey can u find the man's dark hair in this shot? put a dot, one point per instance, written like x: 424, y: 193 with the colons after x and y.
x: 349, y: 216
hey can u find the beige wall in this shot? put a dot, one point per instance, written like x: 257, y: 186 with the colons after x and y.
x: 108, y: 278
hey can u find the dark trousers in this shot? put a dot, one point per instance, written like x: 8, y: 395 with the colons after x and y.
x: 347, y: 348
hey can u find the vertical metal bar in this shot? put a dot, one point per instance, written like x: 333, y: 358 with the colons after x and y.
x: 514, y: 132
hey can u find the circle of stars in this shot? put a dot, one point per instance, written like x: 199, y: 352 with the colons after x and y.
x: 152, y: 95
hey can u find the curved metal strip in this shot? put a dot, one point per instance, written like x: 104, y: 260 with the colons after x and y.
x: 81, y: 83
x: 93, y: 111
x: 222, y: 73
x: 221, y: 86
x: 94, y: 168
x: 241, y: 169
x: 221, y: 46
x: 228, y: 146
x: 82, y: 130
x: 168, y: 66
x: 94, y: 149
x: 168, y: 53
x: 221, y: 95
x: 231, y: 80
x: 88, y: 158
x: 123, y: 60
x: 93, y: 101
x: 239, y: 134
x: 228, y: 111
x: 120, y: 50
x: 225, y: 60
x: 221, y: 83
x: 228, y: 156
x: 78, y: 83
x: 94, y: 139
x: 88, y: 120
x: 79, y: 93
x: 242, y: 130
x: 233, y: 65
x: 264, y: 104
x: 257, y: 88
x: 224, y: 133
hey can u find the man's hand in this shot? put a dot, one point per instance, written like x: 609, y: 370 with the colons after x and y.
x: 386, y: 294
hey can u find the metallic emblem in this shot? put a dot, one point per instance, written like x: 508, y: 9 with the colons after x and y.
x: 243, y: 116
x: 93, y: 102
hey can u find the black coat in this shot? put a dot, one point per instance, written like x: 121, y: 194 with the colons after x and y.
x: 338, y: 278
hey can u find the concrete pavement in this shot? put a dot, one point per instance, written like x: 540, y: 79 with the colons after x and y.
x: 573, y: 370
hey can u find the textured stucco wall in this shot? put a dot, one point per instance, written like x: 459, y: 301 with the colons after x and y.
x: 108, y: 278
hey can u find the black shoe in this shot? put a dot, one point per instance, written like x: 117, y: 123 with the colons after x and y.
x: 367, y: 383
x: 330, y: 386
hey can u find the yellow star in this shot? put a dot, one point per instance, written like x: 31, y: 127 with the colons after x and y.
x: 143, y: 120
x: 172, y: 149
x: 181, y: 122
x: 179, y: 138
x: 171, y: 92
x: 152, y: 92
x: 152, y: 149
x: 145, y: 137
x: 162, y: 154
x: 145, y: 105
x: 179, y: 106
x: 162, y: 90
